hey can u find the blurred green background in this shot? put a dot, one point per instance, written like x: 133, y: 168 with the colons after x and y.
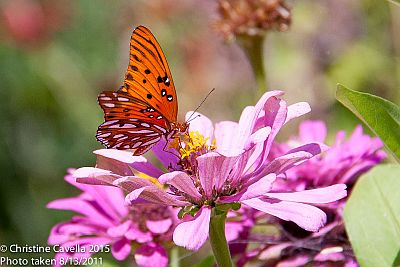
x: 57, y: 55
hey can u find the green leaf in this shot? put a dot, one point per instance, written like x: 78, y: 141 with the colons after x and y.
x: 228, y: 206
x: 397, y: 260
x: 372, y: 216
x: 381, y: 115
x: 206, y: 262
x: 192, y: 210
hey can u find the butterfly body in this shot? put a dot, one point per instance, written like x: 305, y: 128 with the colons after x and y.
x: 145, y: 108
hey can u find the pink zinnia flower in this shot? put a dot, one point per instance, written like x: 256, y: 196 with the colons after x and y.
x: 344, y: 162
x: 227, y: 165
x: 106, y: 224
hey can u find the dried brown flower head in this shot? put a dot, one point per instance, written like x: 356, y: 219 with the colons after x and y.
x: 252, y: 17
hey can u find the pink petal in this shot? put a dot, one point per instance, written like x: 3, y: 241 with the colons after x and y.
x: 254, y: 118
x: 94, y: 176
x: 214, y: 169
x: 233, y: 230
x: 192, y: 234
x: 150, y: 255
x: 306, y: 216
x: 350, y: 262
x: 182, y: 182
x: 274, y: 111
x: 258, y: 137
x: 246, y: 126
x: 120, y: 162
x: 160, y: 226
x: 83, y: 207
x: 330, y: 254
x: 292, y: 158
x: 119, y: 230
x: 121, y: 249
x: 62, y: 232
x: 225, y: 135
x: 327, y: 228
x: 257, y: 189
x: 154, y: 194
x: 356, y: 170
x: 297, y: 110
x: 130, y: 183
x: 110, y: 198
x: 274, y: 251
x: 201, y: 124
x: 296, y: 261
x: 267, y: 96
x: 134, y: 233
x: 251, y: 119
x: 320, y: 195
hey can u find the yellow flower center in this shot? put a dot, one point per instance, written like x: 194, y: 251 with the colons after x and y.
x: 194, y: 143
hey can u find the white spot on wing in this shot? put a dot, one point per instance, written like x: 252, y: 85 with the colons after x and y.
x: 104, y: 135
x: 109, y: 122
x: 109, y: 105
x: 142, y: 131
x: 145, y: 125
x: 128, y: 125
x: 160, y: 128
x: 123, y: 99
x: 152, y: 141
x: 153, y: 134
x: 136, y: 144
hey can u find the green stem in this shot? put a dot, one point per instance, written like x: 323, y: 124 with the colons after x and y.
x: 174, y: 257
x: 254, y: 49
x: 218, y: 241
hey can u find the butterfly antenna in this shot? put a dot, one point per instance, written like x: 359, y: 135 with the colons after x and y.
x: 205, y: 98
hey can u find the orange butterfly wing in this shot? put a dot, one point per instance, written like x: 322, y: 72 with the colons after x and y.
x: 127, y: 124
x: 142, y: 110
x: 148, y: 76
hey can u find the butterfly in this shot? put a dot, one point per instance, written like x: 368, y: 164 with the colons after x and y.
x: 145, y: 108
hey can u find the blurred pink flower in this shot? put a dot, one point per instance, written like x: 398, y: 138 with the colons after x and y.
x: 106, y: 222
x: 226, y: 165
x: 33, y: 22
x: 344, y: 162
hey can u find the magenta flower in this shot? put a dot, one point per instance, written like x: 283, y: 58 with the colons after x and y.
x: 106, y: 224
x: 344, y: 162
x: 220, y: 167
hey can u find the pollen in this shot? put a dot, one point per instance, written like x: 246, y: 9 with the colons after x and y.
x: 150, y: 178
x: 195, y: 143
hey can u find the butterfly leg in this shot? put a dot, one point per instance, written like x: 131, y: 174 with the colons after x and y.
x: 165, y: 149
